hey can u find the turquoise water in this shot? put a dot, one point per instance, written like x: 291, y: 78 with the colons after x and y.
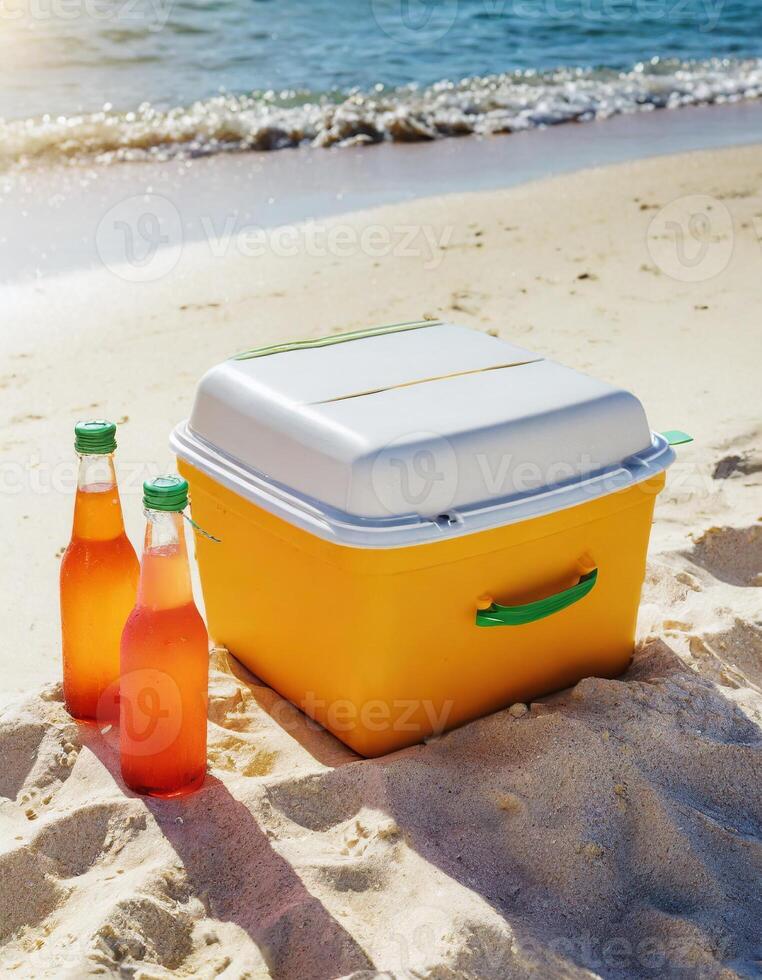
x: 105, y: 78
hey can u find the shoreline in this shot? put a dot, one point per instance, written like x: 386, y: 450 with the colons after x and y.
x: 64, y: 219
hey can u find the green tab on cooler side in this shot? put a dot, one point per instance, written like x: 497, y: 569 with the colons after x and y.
x: 339, y: 338
x: 676, y: 438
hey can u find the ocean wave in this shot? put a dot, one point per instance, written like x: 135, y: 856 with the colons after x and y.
x: 483, y: 105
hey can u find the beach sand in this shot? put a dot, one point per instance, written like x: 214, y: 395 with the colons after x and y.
x: 614, y: 829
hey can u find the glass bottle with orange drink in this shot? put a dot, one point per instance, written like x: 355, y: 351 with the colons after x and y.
x: 98, y: 582
x: 164, y: 658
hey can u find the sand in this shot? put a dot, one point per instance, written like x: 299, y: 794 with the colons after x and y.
x: 614, y: 829
x: 56, y: 212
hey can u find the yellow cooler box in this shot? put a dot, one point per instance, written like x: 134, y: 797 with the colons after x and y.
x: 418, y: 524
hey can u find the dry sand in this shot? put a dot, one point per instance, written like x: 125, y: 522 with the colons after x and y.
x: 612, y: 830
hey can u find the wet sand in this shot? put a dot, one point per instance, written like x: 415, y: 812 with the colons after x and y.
x: 56, y: 220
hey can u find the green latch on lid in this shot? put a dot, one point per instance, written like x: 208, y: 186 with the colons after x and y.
x: 676, y: 438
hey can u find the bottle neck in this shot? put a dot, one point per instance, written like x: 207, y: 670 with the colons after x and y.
x: 97, y: 510
x: 165, y: 581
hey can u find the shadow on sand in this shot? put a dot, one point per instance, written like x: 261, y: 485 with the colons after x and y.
x: 617, y: 827
x: 232, y: 867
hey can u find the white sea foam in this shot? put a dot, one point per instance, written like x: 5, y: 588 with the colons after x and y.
x: 483, y: 105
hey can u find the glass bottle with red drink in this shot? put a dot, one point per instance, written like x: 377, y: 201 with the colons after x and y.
x: 98, y: 581
x: 164, y: 658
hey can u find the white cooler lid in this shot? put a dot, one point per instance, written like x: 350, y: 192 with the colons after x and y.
x: 403, y: 433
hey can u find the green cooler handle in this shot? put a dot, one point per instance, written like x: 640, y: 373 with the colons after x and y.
x: 497, y: 615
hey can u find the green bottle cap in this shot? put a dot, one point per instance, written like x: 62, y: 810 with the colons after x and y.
x: 96, y: 438
x: 166, y: 493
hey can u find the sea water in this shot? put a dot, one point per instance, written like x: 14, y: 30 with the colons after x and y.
x: 113, y: 79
